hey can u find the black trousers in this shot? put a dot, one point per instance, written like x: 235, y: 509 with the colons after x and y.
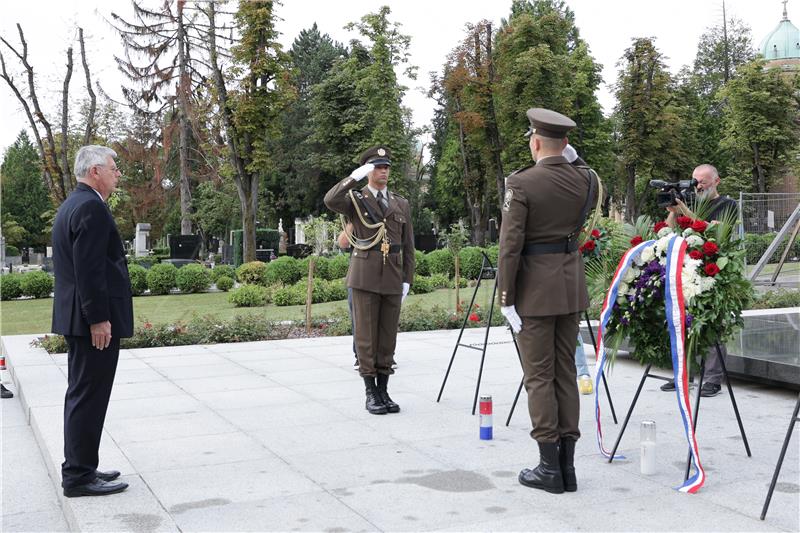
x: 89, y: 382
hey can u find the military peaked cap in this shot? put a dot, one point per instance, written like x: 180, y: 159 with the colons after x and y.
x: 548, y: 123
x: 377, y: 155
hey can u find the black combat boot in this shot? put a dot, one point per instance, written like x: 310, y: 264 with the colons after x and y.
x: 566, y: 456
x: 546, y: 476
x: 5, y: 393
x: 375, y: 404
x: 383, y: 380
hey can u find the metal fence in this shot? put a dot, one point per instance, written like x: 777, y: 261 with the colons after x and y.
x: 766, y: 212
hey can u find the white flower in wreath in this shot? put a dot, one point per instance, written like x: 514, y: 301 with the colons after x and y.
x: 694, y: 241
x: 630, y: 275
x: 706, y: 283
x: 687, y: 232
x: 623, y: 288
x: 664, y: 232
x: 661, y: 245
x: 692, y: 264
x: 690, y: 290
x: 648, y: 254
x: 662, y: 261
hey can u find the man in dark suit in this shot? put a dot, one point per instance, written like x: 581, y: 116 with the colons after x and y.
x: 543, y: 290
x: 381, y: 268
x: 93, y: 309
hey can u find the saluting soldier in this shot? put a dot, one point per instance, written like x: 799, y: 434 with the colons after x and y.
x: 543, y: 290
x: 381, y: 268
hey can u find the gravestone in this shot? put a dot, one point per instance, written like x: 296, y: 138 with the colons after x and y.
x: 185, y: 246
x: 141, y: 241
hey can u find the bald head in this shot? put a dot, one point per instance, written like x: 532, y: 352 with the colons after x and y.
x: 707, y: 180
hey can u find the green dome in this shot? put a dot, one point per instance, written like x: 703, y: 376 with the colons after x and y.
x: 783, y: 42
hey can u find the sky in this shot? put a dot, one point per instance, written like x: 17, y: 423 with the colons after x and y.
x: 435, y: 28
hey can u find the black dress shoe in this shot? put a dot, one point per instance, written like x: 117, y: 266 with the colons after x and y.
x: 98, y: 487
x: 111, y: 475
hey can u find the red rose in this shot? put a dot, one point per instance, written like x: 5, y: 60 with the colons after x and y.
x: 684, y: 222
x: 588, y: 246
x: 699, y: 226
x: 696, y: 254
x: 711, y: 269
x: 709, y: 248
x: 636, y: 240
x: 474, y: 317
x: 659, y: 226
x: 596, y: 233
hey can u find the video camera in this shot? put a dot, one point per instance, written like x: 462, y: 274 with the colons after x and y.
x: 669, y: 193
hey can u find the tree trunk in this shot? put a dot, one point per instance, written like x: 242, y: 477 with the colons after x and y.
x: 184, y: 126
x: 630, y: 193
x: 89, y: 132
x: 492, y: 131
x: 66, y: 175
x: 310, y: 293
x: 457, y: 260
x: 761, y: 182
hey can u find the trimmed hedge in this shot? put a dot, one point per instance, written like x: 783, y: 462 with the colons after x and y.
x: 421, y: 268
x: 223, y: 270
x: 10, y: 286
x: 12, y: 251
x: 422, y: 285
x: 37, y: 284
x: 249, y: 296
x: 138, y: 275
x: 224, y: 283
x: 321, y: 267
x: 323, y: 291
x: 286, y: 270
x: 161, y: 278
x: 253, y: 273
x: 470, y: 262
x: 338, y: 265
x: 193, y: 278
x: 441, y: 262
x: 756, y: 244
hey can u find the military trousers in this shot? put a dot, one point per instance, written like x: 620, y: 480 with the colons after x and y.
x: 547, y: 346
x: 376, y: 317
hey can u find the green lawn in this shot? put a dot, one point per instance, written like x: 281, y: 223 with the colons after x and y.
x: 33, y: 316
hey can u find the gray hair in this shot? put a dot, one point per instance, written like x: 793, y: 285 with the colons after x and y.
x: 90, y: 156
x: 711, y: 169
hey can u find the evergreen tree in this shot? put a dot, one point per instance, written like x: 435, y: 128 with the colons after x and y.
x: 24, y: 194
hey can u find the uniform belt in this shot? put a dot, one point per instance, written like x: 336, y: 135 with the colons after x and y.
x: 393, y: 248
x: 540, y: 248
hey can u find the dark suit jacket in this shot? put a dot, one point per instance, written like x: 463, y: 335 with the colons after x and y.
x: 542, y: 205
x: 91, y: 273
x: 367, y: 271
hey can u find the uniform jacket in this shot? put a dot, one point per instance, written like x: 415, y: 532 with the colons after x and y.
x: 91, y: 273
x: 543, y: 205
x: 367, y: 270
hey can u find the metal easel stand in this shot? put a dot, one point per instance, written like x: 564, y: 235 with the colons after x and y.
x: 778, y: 466
x: 647, y: 374
x: 521, y: 383
x: 486, y: 268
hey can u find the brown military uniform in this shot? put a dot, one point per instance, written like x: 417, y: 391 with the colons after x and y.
x: 377, y: 283
x: 543, y: 204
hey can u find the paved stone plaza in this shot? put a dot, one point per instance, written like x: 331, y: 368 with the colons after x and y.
x: 273, y: 436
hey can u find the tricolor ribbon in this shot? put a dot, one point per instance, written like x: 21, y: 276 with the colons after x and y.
x: 676, y: 323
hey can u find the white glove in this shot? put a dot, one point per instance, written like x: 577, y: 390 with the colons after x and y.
x: 406, y: 286
x: 569, y: 153
x: 510, y: 312
x: 362, y: 171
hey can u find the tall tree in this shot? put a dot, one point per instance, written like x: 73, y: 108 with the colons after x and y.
x: 53, y: 146
x: 760, y: 122
x: 158, y: 60
x: 250, y: 107
x: 24, y: 195
x: 643, y: 91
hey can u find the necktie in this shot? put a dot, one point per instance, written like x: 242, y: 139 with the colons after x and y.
x: 382, y: 202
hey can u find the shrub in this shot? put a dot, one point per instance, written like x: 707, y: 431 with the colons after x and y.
x: 422, y: 263
x: 161, y: 278
x: 138, y: 275
x: 493, y: 252
x: 37, y: 284
x: 10, y: 286
x: 161, y: 251
x: 337, y: 290
x: 145, y: 261
x: 321, y: 267
x: 338, y: 265
x: 462, y: 282
x: 289, y: 295
x: 12, y: 251
x: 440, y: 281
x: 422, y: 285
x: 756, y: 244
x: 224, y: 283
x: 252, y: 273
x: 470, y: 262
x: 441, y: 262
x: 193, y: 278
x: 248, y: 296
x: 286, y: 270
x: 223, y: 270
x: 776, y: 299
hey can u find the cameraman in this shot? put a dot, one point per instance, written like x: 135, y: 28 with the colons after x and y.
x: 721, y: 208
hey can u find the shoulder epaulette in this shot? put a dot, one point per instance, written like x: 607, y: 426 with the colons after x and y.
x: 521, y: 169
